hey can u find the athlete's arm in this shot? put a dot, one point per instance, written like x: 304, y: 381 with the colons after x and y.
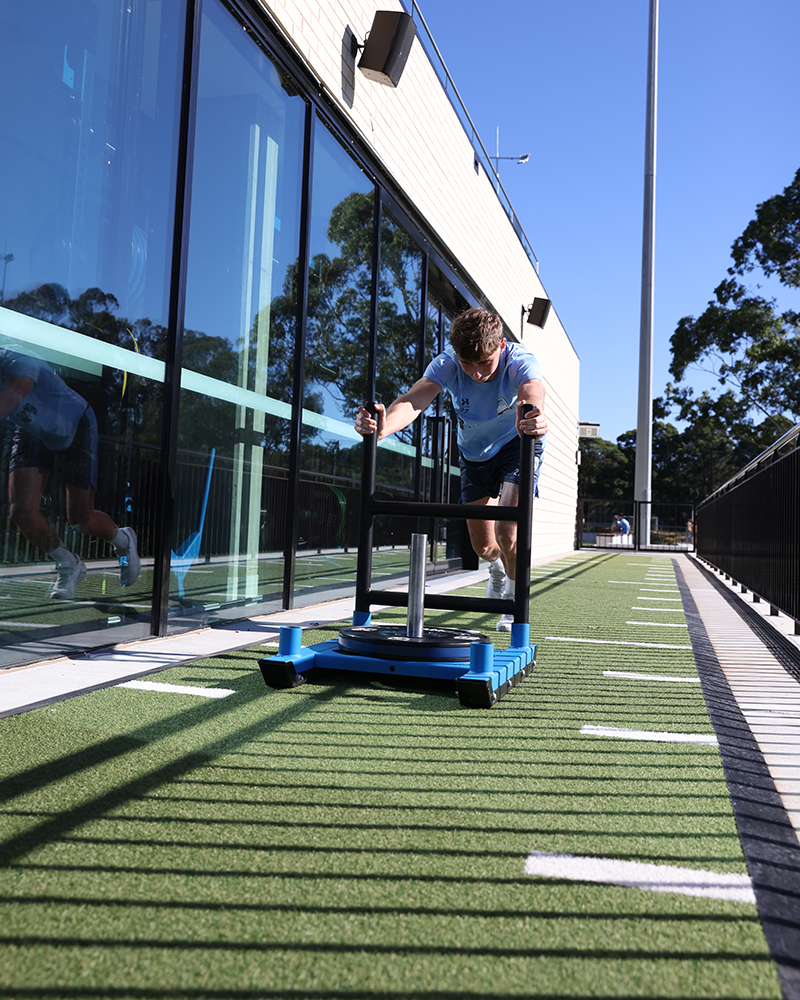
x: 399, y: 414
x: 532, y: 392
x: 13, y: 392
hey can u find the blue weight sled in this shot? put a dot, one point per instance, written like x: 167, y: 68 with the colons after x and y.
x: 481, y: 673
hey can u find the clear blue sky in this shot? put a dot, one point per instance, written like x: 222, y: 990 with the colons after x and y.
x: 565, y: 81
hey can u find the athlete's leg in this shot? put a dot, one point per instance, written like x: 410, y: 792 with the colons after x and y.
x: 482, y: 533
x: 84, y: 518
x: 506, y: 531
x: 25, y: 487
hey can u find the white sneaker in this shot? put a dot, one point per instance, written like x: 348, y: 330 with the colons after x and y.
x: 497, y: 581
x: 130, y: 565
x: 505, y: 623
x: 70, y: 575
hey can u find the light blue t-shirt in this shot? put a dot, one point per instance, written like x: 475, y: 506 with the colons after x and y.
x: 486, y: 411
x: 51, y: 410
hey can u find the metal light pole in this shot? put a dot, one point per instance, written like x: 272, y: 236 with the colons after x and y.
x: 643, y: 476
x: 6, y: 261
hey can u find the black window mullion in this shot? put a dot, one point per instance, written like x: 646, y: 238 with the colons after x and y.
x: 177, y: 302
x: 292, y: 525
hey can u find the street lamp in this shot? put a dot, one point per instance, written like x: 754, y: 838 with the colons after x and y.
x: 522, y: 158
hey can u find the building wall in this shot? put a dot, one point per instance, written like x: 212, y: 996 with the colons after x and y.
x: 418, y: 139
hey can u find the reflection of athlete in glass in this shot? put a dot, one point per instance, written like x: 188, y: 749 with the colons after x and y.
x: 49, y: 417
x: 488, y: 380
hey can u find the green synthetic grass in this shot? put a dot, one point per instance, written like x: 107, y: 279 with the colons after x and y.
x: 353, y: 840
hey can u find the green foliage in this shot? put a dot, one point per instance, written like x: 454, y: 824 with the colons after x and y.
x: 605, y: 472
x: 772, y: 240
x: 751, y: 348
x: 741, y: 338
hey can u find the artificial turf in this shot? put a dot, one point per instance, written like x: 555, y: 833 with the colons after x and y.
x: 356, y: 840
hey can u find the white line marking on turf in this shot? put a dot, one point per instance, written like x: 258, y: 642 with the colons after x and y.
x: 648, y: 735
x: 178, y: 689
x: 678, y: 599
x: 616, y: 642
x: 675, y: 611
x: 651, y: 677
x: 660, y: 624
x: 637, y: 875
x: 28, y: 625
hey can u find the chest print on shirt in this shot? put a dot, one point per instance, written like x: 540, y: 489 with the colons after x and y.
x: 502, y: 406
x: 464, y: 403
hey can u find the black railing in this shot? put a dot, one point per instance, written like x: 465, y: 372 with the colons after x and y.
x: 749, y: 528
x: 663, y: 526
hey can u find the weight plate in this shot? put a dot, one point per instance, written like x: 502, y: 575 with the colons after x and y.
x: 391, y: 641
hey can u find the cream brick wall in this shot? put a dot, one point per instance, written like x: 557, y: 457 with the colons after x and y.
x: 419, y: 142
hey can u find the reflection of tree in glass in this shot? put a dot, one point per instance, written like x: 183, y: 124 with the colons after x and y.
x: 339, y: 297
x: 339, y: 302
x: 122, y: 408
x: 125, y: 404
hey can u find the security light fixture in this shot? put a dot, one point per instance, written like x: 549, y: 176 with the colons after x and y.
x: 537, y: 311
x: 386, y: 47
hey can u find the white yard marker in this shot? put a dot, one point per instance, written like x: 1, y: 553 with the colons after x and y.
x: 674, y: 611
x: 651, y: 677
x: 178, y: 689
x: 637, y: 875
x: 678, y: 599
x: 648, y: 735
x: 660, y: 624
x: 616, y: 642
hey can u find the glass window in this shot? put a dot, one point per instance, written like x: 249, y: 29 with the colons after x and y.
x: 337, y: 346
x: 89, y: 126
x: 236, y: 382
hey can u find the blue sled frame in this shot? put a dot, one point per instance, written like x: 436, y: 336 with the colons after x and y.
x: 480, y: 680
x: 483, y: 674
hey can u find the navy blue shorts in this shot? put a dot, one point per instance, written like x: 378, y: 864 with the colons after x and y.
x: 485, y: 479
x: 80, y: 469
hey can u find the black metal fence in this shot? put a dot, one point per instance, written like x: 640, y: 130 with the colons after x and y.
x: 749, y: 528
x: 634, y: 524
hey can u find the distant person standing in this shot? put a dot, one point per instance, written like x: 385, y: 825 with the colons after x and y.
x: 50, y: 418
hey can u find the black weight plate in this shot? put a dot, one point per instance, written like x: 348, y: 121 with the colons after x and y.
x: 392, y: 641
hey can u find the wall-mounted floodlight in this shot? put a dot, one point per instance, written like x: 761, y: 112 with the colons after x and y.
x: 537, y: 311
x: 387, y: 46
